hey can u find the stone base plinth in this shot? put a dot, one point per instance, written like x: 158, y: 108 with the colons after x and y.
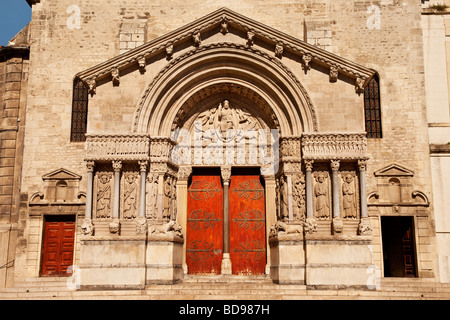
x: 338, y: 263
x: 164, y: 259
x: 112, y: 262
x: 287, y: 259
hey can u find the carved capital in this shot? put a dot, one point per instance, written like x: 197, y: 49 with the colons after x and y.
x: 309, y: 165
x: 225, y: 171
x: 334, y: 164
x: 143, y: 166
x: 90, y: 165
x: 362, y: 165
x: 117, y: 165
x: 184, y: 173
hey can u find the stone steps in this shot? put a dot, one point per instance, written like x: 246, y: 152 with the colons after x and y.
x: 231, y: 288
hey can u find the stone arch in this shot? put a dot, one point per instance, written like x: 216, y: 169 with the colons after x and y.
x: 282, y: 99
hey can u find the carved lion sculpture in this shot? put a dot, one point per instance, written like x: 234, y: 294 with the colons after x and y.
x: 170, y: 228
x: 283, y: 228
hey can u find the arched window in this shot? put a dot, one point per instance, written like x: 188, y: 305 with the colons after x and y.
x: 79, y: 111
x: 372, y: 109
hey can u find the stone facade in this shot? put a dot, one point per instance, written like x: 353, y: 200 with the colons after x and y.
x: 154, y: 68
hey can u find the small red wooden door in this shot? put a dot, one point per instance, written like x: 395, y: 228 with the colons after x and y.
x: 204, y: 243
x: 247, y: 225
x: 58, y: 246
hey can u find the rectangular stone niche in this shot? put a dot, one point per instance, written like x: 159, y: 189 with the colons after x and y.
x: 112, y: 262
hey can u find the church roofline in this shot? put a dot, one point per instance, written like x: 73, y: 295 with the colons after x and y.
x: 308, y: 52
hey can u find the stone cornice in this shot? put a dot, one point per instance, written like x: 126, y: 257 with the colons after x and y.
x: 282, y: 43
x: 31, y: 2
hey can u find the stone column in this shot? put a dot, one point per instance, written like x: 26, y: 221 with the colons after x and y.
x: 310, y: 225
x: 337, y: 221
x: 87, y: 227
x: 271, y: 212
x: 364, y: 227
x: 142, y: 204
x: 114, y: 226
x: 226, y: 261
x: 182, y: 198
x: 141, y: 221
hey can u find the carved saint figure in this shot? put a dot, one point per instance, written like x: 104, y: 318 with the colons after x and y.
x: 104, y: 197
x: 167, y: 198
x: 152, y: 195
x: 129, y: 197
x: 321, y: 194
x: 348, y: 199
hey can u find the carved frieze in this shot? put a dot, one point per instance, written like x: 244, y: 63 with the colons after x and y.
x: 334, y: 146
x: 117, y: 147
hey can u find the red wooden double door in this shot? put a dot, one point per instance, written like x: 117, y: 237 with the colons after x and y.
x: 58, y: 245
x: 205, y: 221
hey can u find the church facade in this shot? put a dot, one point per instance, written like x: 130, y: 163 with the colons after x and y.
x: 146, y: 143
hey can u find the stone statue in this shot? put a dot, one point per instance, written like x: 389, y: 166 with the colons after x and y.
x: 104, y: 197
x: 129, y: 197
x: 348, y: 197
x: 321, y: 194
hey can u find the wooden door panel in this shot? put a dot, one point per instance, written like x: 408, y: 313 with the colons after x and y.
x: 58, y: 247
x: 247, y: 225
x: 204, y: 244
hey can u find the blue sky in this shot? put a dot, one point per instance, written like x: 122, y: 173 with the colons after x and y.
x: 14, y: 15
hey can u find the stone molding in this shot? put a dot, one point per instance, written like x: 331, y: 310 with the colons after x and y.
x: 219, y: 18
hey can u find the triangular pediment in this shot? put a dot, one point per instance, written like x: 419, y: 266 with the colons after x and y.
x: 223, y: 21
x: 394, y: 170
x: 61, y: 174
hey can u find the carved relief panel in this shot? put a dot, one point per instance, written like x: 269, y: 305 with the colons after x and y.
x: 103, y: 193
x: 321, y: 193
x: 349, y: 193
x: 129, y: 192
